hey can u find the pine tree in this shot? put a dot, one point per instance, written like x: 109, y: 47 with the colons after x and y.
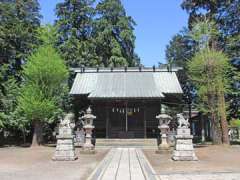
x: 208, y: 70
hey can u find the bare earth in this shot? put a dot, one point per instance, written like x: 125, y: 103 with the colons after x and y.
x: 36, y: 164
x: 215, y: 162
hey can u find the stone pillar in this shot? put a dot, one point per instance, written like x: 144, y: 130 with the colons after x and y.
x: 65, y: 150
x: 183, y: 150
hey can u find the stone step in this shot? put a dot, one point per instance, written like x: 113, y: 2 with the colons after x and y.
x: 126, y: 142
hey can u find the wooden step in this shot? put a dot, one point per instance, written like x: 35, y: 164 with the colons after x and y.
x: 126, y: 142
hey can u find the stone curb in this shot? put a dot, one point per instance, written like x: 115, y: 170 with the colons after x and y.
x: 102, y: 166
x: 147, y: 168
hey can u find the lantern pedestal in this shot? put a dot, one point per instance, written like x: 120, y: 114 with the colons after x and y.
x: 88, y: 147
x: 164, y: 120
x: 164, y: 147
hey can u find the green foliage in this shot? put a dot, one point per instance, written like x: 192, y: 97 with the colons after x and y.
x: 74, y: 26
x: 204, y: 32
x: 47, y: 35
x: 114, y: 34
x: 181, y: 48
x: 95, y: 36
x: 179, y: 51
x: 8, y: 92
x: 35, y: 105
x: 235, y: 123
x: 18, y: 32
x: 19, y: 21
x: 45, y: 83
x: 224, y: 13
x: 208, y: 70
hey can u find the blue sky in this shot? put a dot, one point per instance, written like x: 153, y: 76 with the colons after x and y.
x: 157, y: 21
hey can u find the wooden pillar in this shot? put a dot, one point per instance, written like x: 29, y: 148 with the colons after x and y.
x: 144, y: 119
x: 107, y: 121
x: 202, y: 128
x: 126, y: 110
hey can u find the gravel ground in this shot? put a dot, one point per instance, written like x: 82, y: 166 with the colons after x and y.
x: 215, y: 163
x: 35, y: 164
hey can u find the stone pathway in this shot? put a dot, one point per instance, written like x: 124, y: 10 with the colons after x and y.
x: 124, y: 164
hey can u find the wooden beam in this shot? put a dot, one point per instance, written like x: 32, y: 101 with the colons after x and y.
x: 126, y: 110
x: 107, y: 121
x: 144, y: 119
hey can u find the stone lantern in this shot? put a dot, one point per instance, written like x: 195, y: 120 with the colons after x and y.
x: 164, y: 120
x: 87, y: 122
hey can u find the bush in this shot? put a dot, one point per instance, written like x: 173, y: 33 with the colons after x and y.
x: 235, y: 123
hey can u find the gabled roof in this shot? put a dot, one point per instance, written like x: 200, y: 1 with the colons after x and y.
x: 125, y: 84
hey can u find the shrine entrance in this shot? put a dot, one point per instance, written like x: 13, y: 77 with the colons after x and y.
x: 126, y: 118
x: 126, y: 121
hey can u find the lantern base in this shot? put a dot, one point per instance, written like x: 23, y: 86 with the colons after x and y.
x: 87, y: 151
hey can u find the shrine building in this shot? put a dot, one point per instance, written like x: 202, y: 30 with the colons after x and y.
x: 125, y: 100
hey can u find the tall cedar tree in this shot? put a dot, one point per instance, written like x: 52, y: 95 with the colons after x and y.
x: 102, y: 36
x: 20, y: 20
x: 75, y: 26
x: 114, y: 35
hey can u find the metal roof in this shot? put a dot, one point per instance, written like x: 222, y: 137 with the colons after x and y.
x: 126, y: 84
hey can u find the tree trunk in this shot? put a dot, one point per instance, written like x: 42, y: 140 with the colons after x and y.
x: 37, y: 134
x: 1, y: 137
x: 223, y: 119
x: 24, y: 136
x: 216, y: 133
x: 215, y: 128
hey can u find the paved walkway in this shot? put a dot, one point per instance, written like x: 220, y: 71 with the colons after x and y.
x: 124, y: 164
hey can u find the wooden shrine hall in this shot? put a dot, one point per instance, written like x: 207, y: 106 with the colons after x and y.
x: 125, y: 100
